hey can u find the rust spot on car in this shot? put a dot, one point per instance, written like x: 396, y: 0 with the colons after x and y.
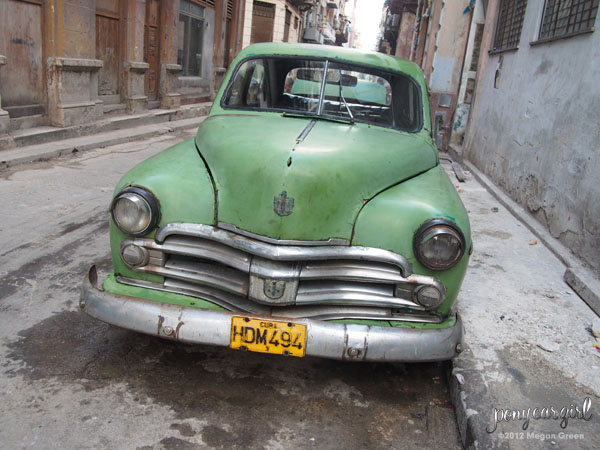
x: 179, y: 325
x: 161, y: 320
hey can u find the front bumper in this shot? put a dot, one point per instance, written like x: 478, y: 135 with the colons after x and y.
x: 324, y: 339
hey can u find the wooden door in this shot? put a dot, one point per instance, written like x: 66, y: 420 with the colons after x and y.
x: 152, y: 48
x: 263, y: 16
x: 21, y: 42
x: 107, y: 45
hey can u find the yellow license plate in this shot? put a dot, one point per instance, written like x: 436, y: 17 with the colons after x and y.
x: 268, y: 336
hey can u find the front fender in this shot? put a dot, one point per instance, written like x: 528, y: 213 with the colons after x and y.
x: 180, y: 181
x: 391, y: 218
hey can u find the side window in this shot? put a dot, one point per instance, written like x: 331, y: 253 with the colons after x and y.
x: 248, y: 88
x: 256, y: 88
x: 406, y: 101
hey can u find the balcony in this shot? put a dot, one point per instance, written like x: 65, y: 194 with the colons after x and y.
x: 342, y: 27
x: 328, y: 34
x: 312, y: 34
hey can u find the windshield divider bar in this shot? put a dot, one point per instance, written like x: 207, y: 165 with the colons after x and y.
x: 323, y: 83
x: 344, y: 99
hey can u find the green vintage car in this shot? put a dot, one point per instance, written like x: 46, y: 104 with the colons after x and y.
x: 309, y: 216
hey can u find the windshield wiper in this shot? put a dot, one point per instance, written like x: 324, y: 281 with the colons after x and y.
x: 316, y: 116
x: 307, y: 114
x: 344, y: 99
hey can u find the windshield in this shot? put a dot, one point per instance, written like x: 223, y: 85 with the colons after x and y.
x: 346, y: 92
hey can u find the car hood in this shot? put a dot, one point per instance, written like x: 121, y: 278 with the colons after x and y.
x: 260, y: 164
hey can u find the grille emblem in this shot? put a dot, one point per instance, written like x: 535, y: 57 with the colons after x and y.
x: 274, y: 289
x: 282, y: 204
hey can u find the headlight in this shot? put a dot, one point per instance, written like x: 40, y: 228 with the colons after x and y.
x: 439, y: 245
x: 135, y: 211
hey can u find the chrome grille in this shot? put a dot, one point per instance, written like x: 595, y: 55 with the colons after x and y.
x: 244, y: 273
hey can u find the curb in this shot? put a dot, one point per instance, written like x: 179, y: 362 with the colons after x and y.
x: 576, y: 275
x: 471, y: 424
x: 44, y: 152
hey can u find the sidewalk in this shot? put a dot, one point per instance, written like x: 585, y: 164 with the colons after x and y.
x: 527, y: 340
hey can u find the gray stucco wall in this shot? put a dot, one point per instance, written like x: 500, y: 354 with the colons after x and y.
x: 537, y: 134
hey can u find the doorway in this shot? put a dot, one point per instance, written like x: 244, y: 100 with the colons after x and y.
x: 107, y: 46
x: 152, y: 48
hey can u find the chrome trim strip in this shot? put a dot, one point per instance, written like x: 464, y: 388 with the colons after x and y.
x: 284, y: 253
x: 268, y: 240
x: 305, y: 132
x: 224, y: 278
x: 351, y: 271
x: 324, y: 339
x: 331, y: 293
x: 184, y: 246
x: 223, y: 299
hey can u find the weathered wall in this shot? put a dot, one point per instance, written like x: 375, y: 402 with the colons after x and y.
x: 447, y: 35
x: 450, y: 43
x: 79, y: 28
x: 247, y: 4
x: 279, y: 24
x: 431, y: 33
x: 405, y: 35
x: 537, y: 133
x: 469, y: 74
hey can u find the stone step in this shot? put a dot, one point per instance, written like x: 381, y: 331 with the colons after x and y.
x: 47, y: 150
x: 24, y: 110
x: 193, y: 110
x: 46, y: 134
x: 110, y: 99
x: 114, y: 108
x: 21, y: 123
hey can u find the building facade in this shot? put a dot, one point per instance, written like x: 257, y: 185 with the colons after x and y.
x: 535, y: 124
x: 271, y: 21
x: 69, y: 62
x: 313, y: 21
x: 434, y: 34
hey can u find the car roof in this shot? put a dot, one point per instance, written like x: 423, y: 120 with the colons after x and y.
x: 331, y: 52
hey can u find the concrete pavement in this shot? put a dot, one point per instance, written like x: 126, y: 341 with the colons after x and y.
x: 527, y: 343
x: 70, y: 382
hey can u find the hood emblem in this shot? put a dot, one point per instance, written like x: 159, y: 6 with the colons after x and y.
x: 282, y: 204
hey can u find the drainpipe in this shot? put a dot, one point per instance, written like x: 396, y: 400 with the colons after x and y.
x: 451, y: 126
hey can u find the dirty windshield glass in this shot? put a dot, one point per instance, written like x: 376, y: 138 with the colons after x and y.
x: 339, y: 91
